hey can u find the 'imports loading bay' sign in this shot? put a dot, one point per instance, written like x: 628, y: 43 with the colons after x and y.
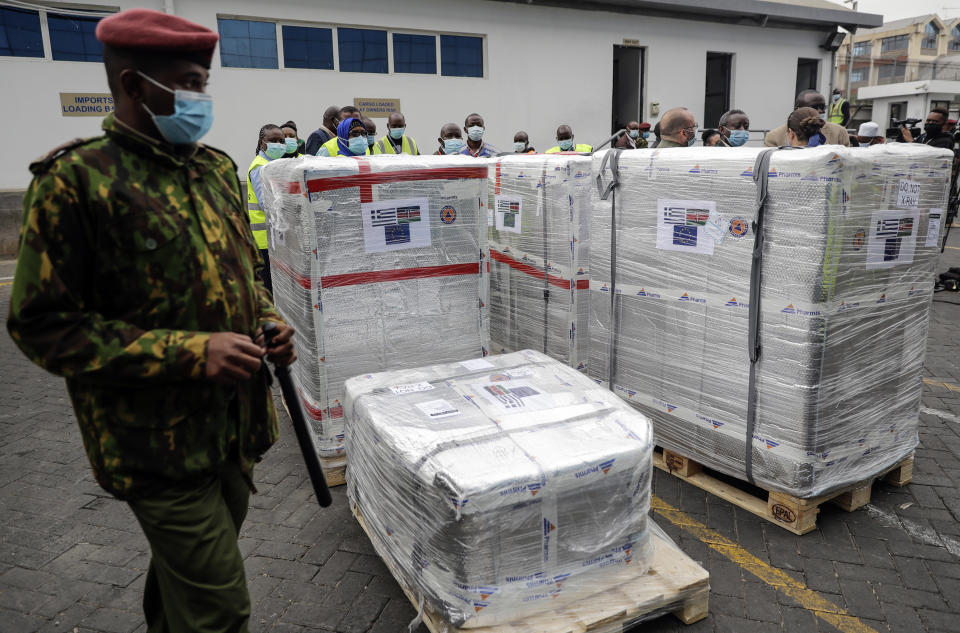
x: 376, y: 108
x: 86, y: 103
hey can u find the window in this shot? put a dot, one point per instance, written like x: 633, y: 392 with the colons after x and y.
x: 20, y: 33
x: 807, y: 72
x: 414, y: 53
x: 888, y: 71
x: 861, y: 49
x: 72, y: 38
x: 954, y: 44
x: 307, y: 47
x: 895, y: 43
x: 461, y: 56
x: 857, y: 75
x: 362, y: 50
x: 247, y: 44
x: 930, y: 36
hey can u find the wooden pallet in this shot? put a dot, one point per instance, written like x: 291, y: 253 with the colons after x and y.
x: 335, y: 474
x: 789, y: 512
x: 675, y: 582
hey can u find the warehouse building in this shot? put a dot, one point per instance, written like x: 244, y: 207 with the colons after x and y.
x: 523, y: 65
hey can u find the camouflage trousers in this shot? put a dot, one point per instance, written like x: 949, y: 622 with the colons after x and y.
x: 196, y: 581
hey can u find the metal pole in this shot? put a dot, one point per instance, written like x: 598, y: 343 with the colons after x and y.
x: 846, y: 94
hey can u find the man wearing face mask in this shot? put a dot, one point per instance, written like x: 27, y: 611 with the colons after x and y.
x: 271, y: 145
x: 137, y: 281
x: 521, y: 144
x: 396, y: 141
x: 565, y: 142
x: 294, y: 144
x: 324, y: 133
x: 451, y: 142
x: 476, y: 147
x: 636, y: 136
x: 734, y: 128
x: 933, y: 133
x: 371, y: 128
x: 678, y: 128
x: 835, y: 134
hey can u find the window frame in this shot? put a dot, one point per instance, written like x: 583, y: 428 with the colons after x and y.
x: 53, y: 12
x: 858, y: 49
x: 278, y: 40
x: 44, y: 49
x: 281, y: 47
x: 483, y: 54
x: 92, y: 10
x: 436, y: 52
x: 905, y: 39
x: 388, y: 45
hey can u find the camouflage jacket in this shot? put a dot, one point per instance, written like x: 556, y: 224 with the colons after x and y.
x: 130, y: 256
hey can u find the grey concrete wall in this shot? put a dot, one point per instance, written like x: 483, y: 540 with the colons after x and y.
x: 11, y: 210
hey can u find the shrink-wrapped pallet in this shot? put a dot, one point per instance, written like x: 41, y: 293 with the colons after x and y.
x: 538, y: 219
x: 379, y: 263
x: 824, y: 389
x: 502, y: 487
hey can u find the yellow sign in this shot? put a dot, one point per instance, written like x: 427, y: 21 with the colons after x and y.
x: 631, y: 43
x: 376, y: 108
x: 86, y: 103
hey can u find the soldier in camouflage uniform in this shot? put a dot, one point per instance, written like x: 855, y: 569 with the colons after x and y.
x: 136, y: 281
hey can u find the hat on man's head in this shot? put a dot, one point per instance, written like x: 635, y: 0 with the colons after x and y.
x: 869, y: 129
x: 148, y: 31
x: 644, y: 126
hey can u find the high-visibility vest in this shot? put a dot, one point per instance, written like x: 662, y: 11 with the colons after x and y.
x: 258, y: 219
x: 333, y: 149
x: 836, y: 111
x: 407, y: 146
x: 579, y: 147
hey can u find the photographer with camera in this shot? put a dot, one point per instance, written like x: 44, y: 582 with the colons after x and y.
x: 933, y: 133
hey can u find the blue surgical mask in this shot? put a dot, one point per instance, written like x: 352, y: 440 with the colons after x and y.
x: 291, y: 144
x: 371, y: 139
x: 738, y: 137
x: 192, y: 115
x: 633, y: 133
x: 693, y: 139
x: 519, y: 146
x: 646, y: 135
x: 566, y: 144
x: 475, y: 133
x: 452, y: 145
x: 358, y: 145
x: 396, y: 133
x: 275, y: 150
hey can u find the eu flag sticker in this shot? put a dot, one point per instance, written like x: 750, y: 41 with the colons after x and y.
x: 396, y: 234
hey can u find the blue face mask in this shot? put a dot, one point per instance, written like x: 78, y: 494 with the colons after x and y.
x: 358, y: 145
x: 192, y: 115
x: 275, y: 150
x: 633, y: 133
x: 566, y: 144
x: 371, y: 139
x: 693, y: 139
x: 738, y: 137
x: 291, y: 144
x: 519, y: 146
x: 452, y: 145
x: 646, y: 135
x: 475, y: 133
x: 396, y: 133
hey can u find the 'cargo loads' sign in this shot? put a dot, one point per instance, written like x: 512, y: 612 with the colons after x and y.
x: 86, y: 103
x: 376, y: 108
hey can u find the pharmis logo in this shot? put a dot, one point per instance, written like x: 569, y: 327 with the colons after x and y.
x: 548, y: 527
x: 733, y: 303
x: 607, y: 465
x: 883, y: 298
x: 645, y: 293
x: 789, y: 309
x: 534, y: 488
x: 479, y: 606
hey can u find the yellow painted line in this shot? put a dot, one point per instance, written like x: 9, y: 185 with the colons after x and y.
x: 956, y: 248
x: 6, y: 283
x: 779, y: 580
x: 937, y: 383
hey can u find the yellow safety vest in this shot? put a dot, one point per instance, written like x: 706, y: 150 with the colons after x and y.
x: 579, y: 147
x: 258, y: 219
x: 836, y: 111
x: 407, y: 146
x: 333, y: 149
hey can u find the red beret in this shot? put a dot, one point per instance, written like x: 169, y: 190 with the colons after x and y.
x: 644, y: 126
x: 148, y: 30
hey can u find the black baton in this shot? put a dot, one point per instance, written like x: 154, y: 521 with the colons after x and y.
x: 292, y: 399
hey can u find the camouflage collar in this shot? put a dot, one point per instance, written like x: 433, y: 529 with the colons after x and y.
x: 147, y: 146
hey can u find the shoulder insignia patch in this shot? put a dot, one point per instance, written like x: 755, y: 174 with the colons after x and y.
x: 43, y: 163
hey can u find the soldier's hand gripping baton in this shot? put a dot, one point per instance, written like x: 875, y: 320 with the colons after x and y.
x: 299, y: 424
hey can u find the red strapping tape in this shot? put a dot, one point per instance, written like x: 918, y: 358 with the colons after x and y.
x: 559, y: 282
x: 361, y: 179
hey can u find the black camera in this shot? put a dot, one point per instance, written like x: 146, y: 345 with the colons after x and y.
x: 896, y: 134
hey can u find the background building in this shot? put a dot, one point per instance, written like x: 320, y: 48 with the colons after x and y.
x: 902, y: 69
x: 528, y: 65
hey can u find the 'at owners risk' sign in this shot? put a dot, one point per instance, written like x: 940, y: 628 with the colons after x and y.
x: 86, y: 103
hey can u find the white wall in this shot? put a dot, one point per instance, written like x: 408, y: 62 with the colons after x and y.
x: 545, y: 66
